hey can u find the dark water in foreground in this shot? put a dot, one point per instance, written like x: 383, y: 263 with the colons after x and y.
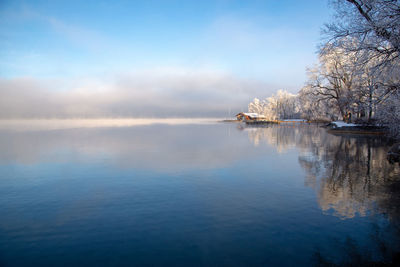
x: 195, y: 195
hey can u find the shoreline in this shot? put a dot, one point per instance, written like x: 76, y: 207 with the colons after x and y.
x: 344, y: 130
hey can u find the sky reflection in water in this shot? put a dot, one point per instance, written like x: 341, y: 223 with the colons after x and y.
x: 199, y: 194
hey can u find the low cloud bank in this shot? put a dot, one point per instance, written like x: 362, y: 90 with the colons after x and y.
x: 155, y: 93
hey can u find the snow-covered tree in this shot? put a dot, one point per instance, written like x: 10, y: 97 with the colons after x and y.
x: 312, y: 108
x: 388, y: 113
x: 375, y: 24
x: 344, y: 82
x: 282, y: 105
x: 332, y: 81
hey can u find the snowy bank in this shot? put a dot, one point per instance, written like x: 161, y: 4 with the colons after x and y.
x: 341, y: 127
x: 340, y: 124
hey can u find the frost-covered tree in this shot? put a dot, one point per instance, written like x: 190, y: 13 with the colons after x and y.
x: 389, y: 113
x: 285, y: 104
x: 312, y: 108
x: 262, y: 107
x: 282, y: 105
x: 359, y: 65
x: 369, y: 91
x: 332, y: 81
x: 257, y: 106
x: 375, y: 24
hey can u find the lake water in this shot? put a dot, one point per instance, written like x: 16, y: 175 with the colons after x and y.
x: 193, y: 193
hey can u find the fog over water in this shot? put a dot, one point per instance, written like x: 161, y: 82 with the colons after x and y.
x: 152, y: 93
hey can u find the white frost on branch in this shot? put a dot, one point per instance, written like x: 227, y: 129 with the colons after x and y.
x: 282, y: 105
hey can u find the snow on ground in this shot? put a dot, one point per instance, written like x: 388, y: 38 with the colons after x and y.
x: 340, y: 124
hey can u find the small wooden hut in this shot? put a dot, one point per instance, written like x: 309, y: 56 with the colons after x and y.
x: 244, y: 116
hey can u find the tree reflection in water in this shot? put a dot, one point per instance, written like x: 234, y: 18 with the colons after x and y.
x: 351, y: 177
x: 387, y: 253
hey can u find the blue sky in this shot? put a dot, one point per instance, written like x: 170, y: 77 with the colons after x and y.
x: 69, y: 44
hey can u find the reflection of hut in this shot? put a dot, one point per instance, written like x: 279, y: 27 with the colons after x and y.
x: 242, y: 116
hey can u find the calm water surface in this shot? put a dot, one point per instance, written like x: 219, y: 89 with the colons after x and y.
x: 203, y: 194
